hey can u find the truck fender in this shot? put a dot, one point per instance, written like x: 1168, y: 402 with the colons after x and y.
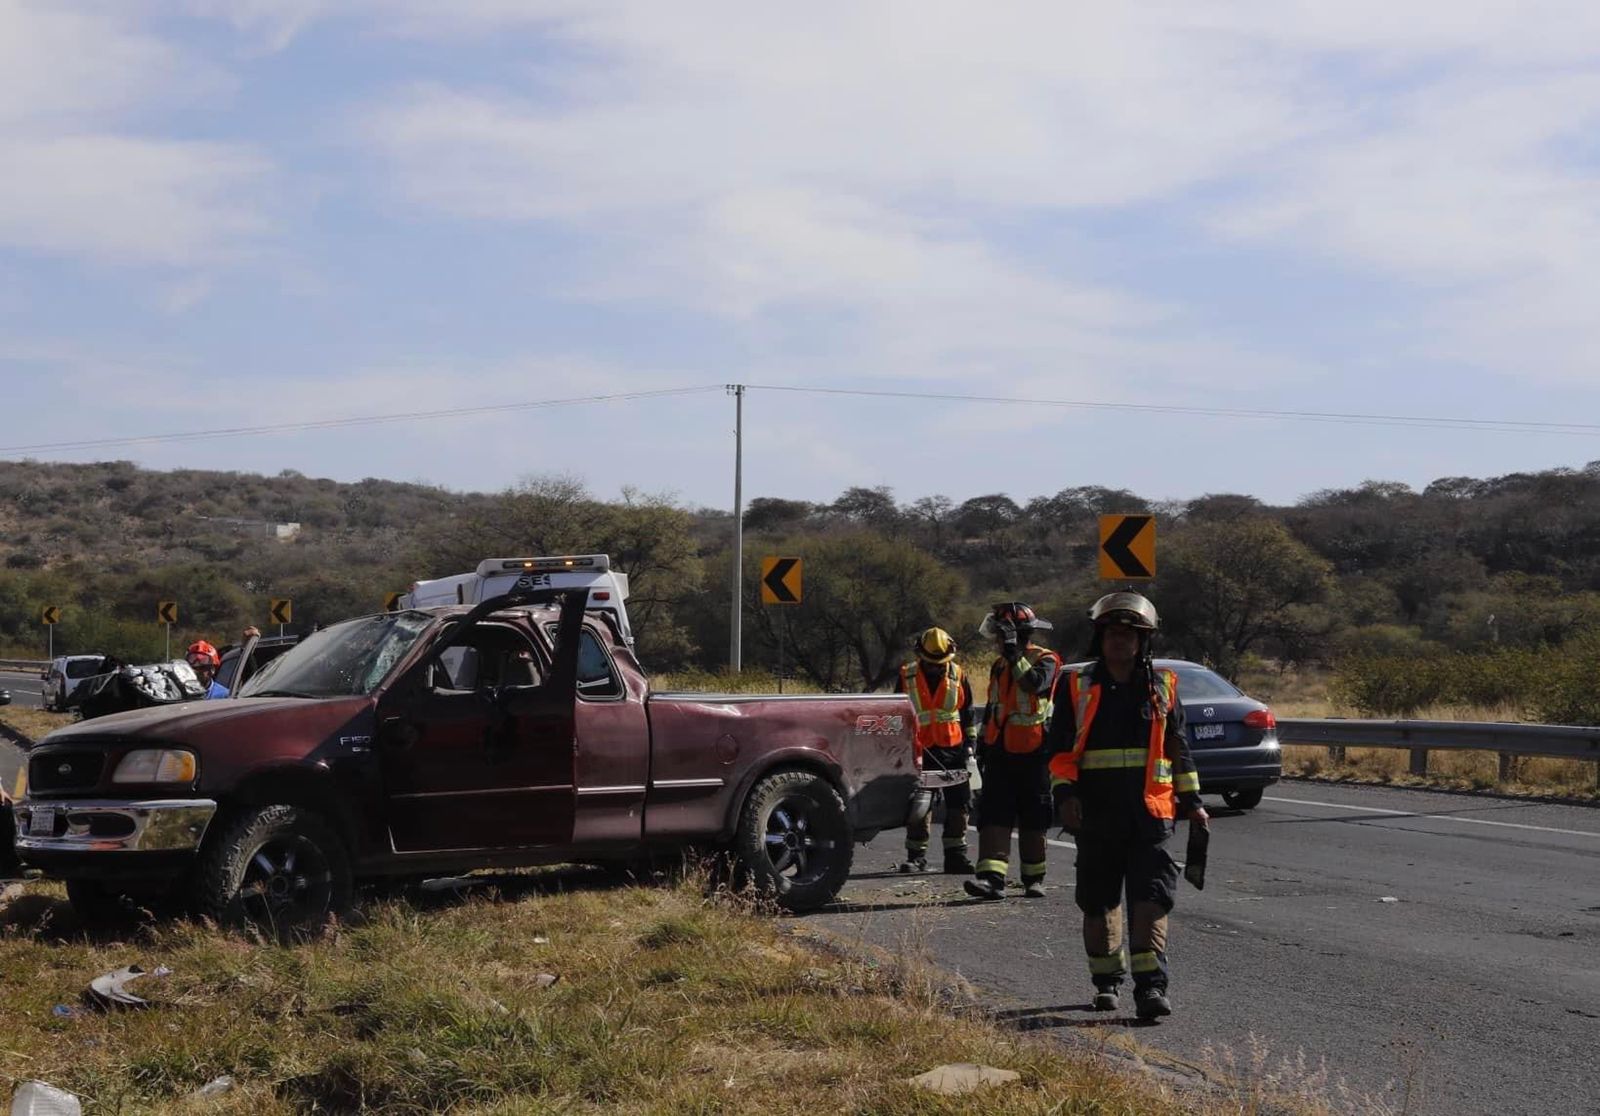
x: 312, y: 787
x: 789, y: 759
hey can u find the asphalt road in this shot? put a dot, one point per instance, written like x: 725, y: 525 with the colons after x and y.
x: 25, y: 692
x: 1438, y: 952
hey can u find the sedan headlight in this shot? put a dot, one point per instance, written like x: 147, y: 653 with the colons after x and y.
x: 156, y: 765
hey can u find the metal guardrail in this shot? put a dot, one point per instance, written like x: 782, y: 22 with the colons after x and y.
x: 36, y: 666
x: 1508, y: 739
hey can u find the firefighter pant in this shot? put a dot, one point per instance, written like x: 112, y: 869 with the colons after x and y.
x: 957, y: 807
x: 1125, y: 855
x: 1015, y: 795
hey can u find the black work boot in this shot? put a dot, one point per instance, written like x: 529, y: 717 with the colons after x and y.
x: 1151, y: 1002
x: 914, y: 862
x: 956, y: 863
x: 987, y: 885
x: 1033, y: 887
x: 1105, y: 998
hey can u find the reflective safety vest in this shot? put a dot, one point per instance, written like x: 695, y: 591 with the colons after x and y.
x: 1160, y: 797
x: 938, y: 713
x: 1017, y: 718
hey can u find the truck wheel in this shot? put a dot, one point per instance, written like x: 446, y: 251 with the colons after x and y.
x: 1247, y: 799
x: 794, y: 840
x: 281, y: 869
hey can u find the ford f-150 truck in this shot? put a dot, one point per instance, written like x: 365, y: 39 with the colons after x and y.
x: 429, y: 742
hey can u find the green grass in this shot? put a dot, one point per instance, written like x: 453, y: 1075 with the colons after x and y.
x: 667, y: 1002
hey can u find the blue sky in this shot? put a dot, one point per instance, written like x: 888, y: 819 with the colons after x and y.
x: 223, y: 213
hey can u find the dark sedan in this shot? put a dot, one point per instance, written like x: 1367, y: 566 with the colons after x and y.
x: 1233, y: 736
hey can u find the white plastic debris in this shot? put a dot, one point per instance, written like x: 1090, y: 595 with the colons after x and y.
x: 1389, y: 899
x: 35, y: 1098
x: 215, y: 1088
x: 110, y: 989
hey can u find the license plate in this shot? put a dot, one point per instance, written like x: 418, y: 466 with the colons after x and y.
x: 43, y: 822
x: 1210, y: 732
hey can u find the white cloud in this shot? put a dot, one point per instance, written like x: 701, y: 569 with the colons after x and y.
x: 748, y: 159
x: 79, y: 181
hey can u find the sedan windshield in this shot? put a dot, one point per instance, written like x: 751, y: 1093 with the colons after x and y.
x: 344, y: 660
x: 1197, y: 683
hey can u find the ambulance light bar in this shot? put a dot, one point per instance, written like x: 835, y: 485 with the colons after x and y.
x: 594, y: 563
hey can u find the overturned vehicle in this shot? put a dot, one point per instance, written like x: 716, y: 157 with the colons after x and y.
x: 118, y: 688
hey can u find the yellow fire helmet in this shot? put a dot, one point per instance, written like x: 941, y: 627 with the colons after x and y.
x: 936, y: 646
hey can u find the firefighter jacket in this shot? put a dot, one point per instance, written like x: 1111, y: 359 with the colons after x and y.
x: 943, y: 703
x: 1020, y: 693
x: 1128, y: 740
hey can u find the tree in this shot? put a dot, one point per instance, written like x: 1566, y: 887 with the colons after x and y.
x: 866, y: 597
x: 986, y: 515
x: 869, y: 507
x: 1227, y: 588
x: 769, y: 513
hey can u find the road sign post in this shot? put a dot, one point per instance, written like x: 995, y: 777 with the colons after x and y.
x: 167, y: 613
x: 782, y: 583
x: 50, y: 616
x: 282, y: 610
x: 1127, y: 547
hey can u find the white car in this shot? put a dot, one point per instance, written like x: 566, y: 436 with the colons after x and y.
x: 64, y: 673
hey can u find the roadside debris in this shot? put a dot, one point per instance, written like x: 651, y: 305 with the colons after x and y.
x: 545, y: 980
x: 215, y: 1088
x: 963, y: 1077
x: 110, y: 989
x: 35, y: 1098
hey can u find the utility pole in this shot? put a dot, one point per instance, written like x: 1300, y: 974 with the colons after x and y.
x: 735, y: 651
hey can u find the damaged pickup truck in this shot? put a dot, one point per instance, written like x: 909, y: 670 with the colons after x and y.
x: 432, y: 742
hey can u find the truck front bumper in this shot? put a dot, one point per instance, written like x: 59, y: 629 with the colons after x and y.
x: 49, y: 828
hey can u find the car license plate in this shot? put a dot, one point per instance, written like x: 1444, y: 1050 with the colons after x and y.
x: 1210, y: 732
x: 43, y: 822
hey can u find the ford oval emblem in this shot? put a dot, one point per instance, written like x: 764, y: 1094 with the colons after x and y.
x: 1209, y: 711
x: 64, y: 769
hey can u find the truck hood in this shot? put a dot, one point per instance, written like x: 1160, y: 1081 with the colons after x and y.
x: 202, y: 723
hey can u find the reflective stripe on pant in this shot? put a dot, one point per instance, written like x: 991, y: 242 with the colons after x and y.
x: 994, y: 851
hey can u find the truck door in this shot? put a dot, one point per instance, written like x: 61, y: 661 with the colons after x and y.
x: 477, y: 743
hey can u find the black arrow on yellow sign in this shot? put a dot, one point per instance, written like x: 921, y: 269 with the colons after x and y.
x: 167, y: 612
x: 781, y: 581
x: 282, y: 611
x: 50, y: 614
x: 391, y: 602
x: 1127, y: 546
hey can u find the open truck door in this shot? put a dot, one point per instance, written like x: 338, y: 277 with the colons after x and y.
x: 476, y: 742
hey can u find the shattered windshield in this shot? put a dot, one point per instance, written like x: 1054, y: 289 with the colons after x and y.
x: 342, y: 661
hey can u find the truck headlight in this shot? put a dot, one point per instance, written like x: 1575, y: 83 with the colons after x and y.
x: 156, y: 765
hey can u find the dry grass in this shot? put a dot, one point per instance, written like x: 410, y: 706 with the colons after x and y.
x: 35, y: 724
x: 667, y: 1003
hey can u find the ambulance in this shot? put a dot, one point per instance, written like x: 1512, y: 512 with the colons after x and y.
x: 608, y: 589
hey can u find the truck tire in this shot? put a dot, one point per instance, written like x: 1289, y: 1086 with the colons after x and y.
x: 280, y: 869
x: 794, y: 840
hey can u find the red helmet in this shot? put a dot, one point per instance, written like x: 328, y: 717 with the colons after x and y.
x: 204, y: 652
x: 1020, y: 615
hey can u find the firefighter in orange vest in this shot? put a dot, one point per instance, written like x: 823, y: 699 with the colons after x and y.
x: 946, y: 729
x: 1121, y: 775
x: 1012, y: 758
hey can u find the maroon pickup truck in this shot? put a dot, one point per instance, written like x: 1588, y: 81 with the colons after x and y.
x: 419, y: 743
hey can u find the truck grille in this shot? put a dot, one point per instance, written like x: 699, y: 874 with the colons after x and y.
x: 65, y: 771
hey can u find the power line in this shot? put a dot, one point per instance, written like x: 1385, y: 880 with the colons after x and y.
x: 1442, y: 422
x: 364, y: 420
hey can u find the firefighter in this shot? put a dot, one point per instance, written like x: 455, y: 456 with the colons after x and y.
x: 947, y: 727
x: 1121, y: 775
x: 1012, y: 758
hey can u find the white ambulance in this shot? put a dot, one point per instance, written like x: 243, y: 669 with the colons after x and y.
x: 608, y: 589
